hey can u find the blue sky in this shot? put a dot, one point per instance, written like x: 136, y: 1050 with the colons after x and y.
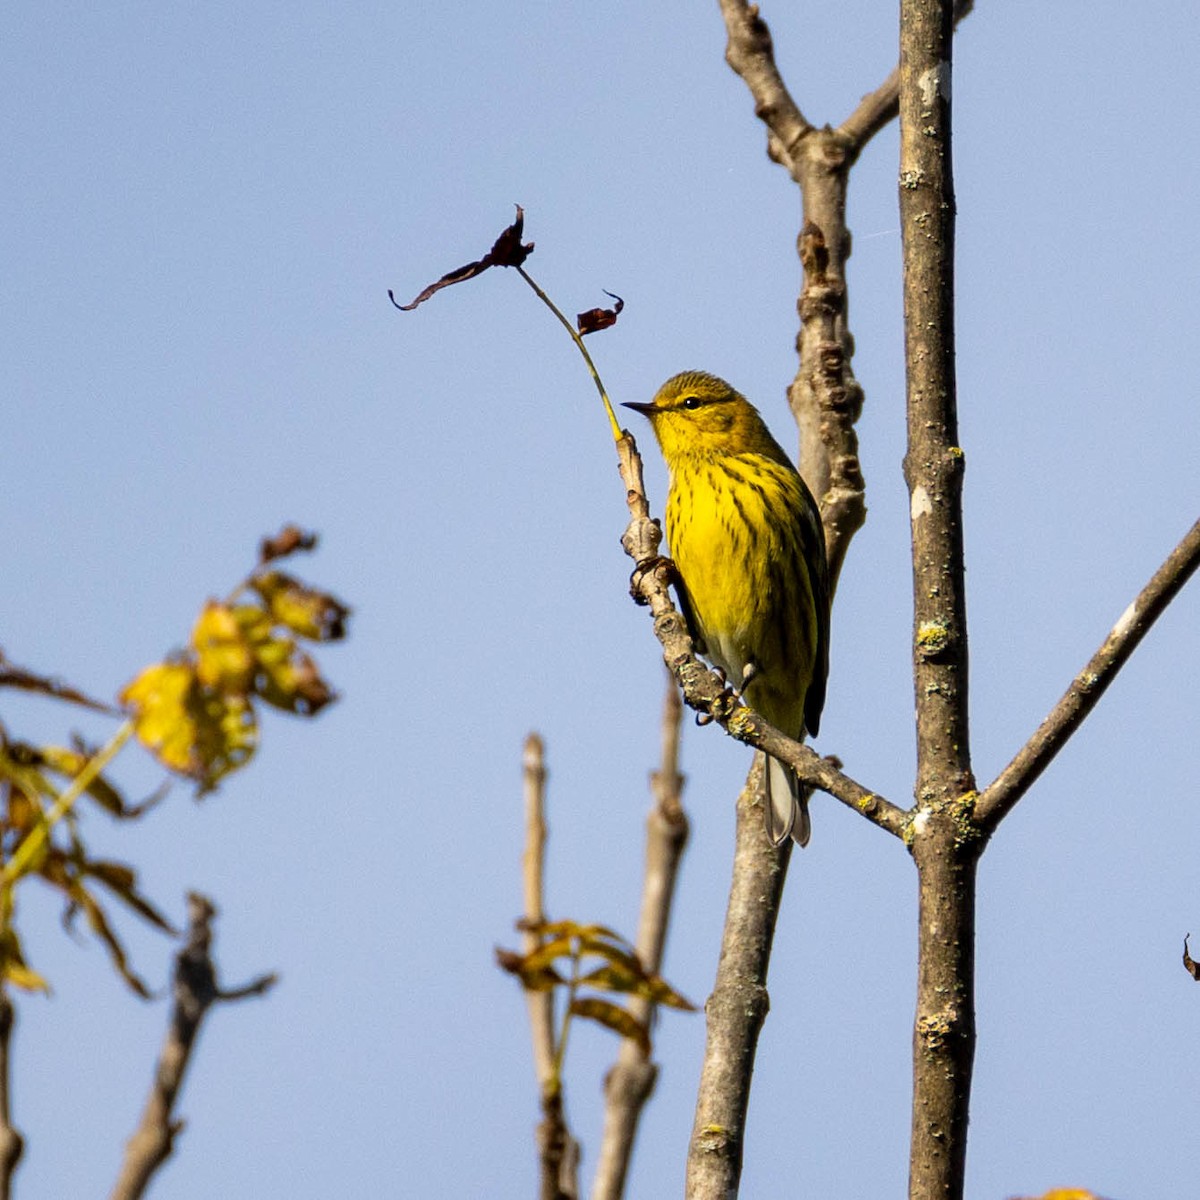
x: 204, y: 210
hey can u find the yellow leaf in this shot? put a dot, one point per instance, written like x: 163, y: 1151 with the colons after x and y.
x: 534, y: 977
x: 614, y: 1017
x: 69, y: 763
x: 24, y: 812
x: 224, y: 661
x: 23, y: 977
x: 13, y: 967
x: 302, y: 609
x: 190, y: 729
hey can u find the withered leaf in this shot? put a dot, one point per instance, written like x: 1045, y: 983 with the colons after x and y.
x: 17, y: 677
x: 70, y: 762
x: 121, y: 880
x: 507, y: 251
x: 319, y: 616
x: 284, y: 676
x: 66, y: 872
x: 287, y: 541
x: 568, y: 929
x: 1189, y: 964
x: 615, y: 978
x: 613, y: 1016
x: 13, y: 968
x: 192, y: 730
x: 596, y: 319
x: 534, y: 977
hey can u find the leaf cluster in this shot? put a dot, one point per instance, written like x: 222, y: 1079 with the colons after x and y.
x: 195, y: 712
x: 593, y: 957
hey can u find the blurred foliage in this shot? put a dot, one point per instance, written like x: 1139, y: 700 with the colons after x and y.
x: 612, y: 966
x: 196, y: 712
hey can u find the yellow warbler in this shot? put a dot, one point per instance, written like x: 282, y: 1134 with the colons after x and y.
x: 746, y: 536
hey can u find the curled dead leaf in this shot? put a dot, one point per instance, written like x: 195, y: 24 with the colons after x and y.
x: 1189, y: 964
x: 599, y: 318
x: 288, y: 540
x: 506, y: 251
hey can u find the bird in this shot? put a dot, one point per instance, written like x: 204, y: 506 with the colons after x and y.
x: 748, y: 545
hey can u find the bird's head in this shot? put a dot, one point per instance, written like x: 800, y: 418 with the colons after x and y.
x: 697, y: 415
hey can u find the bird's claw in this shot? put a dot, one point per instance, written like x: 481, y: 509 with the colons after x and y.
x: 652, y: 565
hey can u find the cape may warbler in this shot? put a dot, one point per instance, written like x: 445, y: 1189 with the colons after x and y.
x: 746, y: 537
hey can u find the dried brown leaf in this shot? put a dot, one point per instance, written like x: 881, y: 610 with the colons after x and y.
x: 534, y: 978
x: 14, y: 969
x: 121, y: 880
x: 46, y: 685
x: 596, y: 319
x: 614, y: 1017
x: 506, y: 251
x: 288, y: 540
x: 1189, y: 964
x: 63, y: 871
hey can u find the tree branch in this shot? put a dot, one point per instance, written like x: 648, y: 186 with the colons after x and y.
x: 1089, y: 685
x: 558, y: 1152
x: 631, y: 1081
x: 703, y: 689
x: 826, y: 400
x: 11, y: 1143
x: 739, y: 1002
x: 195, y: 990
x: 540, y: 1004
x: 945, y: 844
x: 750, y: 53
x: 880, y: 107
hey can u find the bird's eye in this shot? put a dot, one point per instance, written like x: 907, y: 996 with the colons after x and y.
x: 691, y: 402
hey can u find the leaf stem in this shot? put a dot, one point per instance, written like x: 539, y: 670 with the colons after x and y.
x: 40, y: 833
x: 560, y: 1052
x: 577, y: 338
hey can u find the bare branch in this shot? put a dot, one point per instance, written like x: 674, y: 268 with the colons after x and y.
x: 631, y: 1081
x: 195, y: 990
x: 11, y: 1143
x: 875, y: 110
x: 540, y: 1004
x: 880, y: 107
x: 739, y: 1002
x: 558, y: 1152
x: 944, y: 843
x: 998, y: 799
x: 750, y: 53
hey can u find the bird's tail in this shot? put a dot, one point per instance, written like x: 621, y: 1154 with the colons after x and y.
x: 787, y: 806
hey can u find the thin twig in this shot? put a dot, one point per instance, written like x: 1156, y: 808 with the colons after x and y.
x: 195, y: 990
x: 631, y: 1081
x: 997, y: 800
x: 11, y: 1142
x: 37, y: 837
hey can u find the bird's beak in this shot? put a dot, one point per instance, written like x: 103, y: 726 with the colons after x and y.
x: 645, y: 409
